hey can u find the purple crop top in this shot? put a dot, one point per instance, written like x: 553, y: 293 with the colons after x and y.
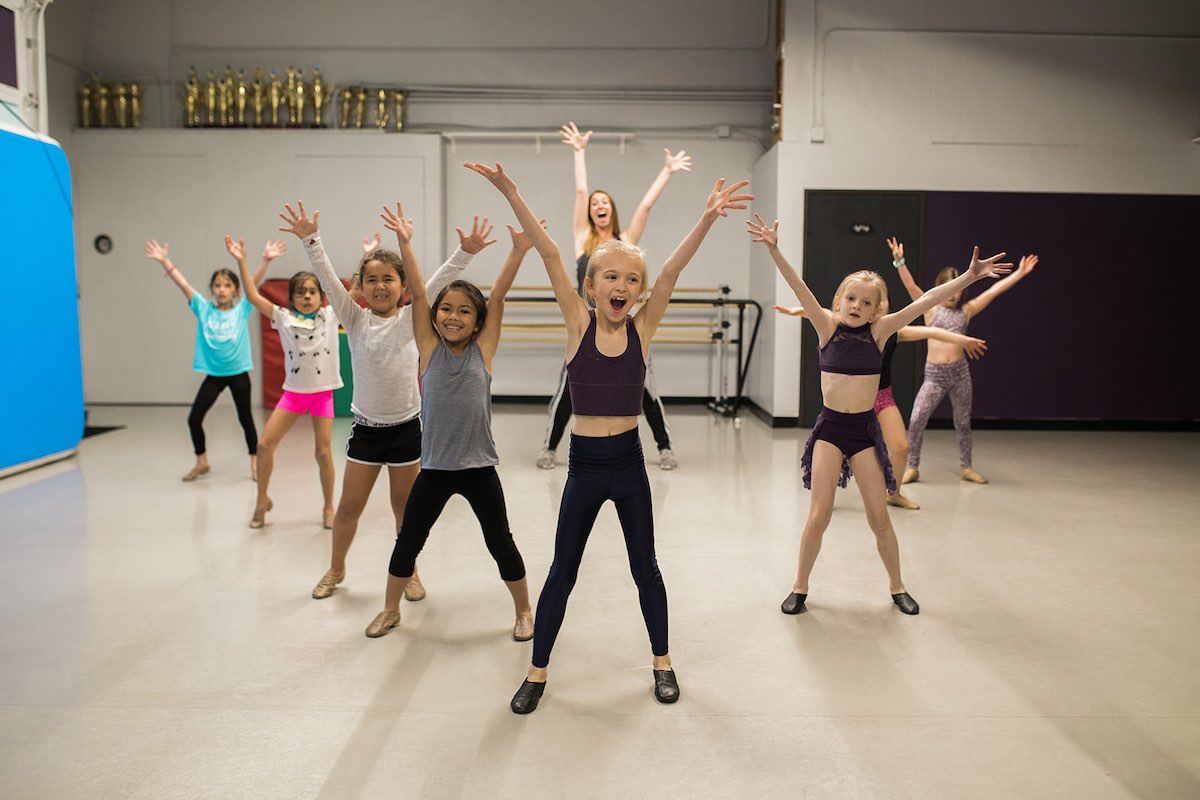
x: 851, y: 351
x: 607, y: 386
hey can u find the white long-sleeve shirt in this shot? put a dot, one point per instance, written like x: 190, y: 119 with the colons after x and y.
x: 383, y: 352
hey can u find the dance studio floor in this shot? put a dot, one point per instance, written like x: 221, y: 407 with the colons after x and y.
x: 152, y: 646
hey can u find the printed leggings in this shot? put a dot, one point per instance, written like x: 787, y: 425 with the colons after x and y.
x: 940, y: 379
x: 652, y: 408
x: 210, y: 390
x: 603, y: 468
x: 432, y: 489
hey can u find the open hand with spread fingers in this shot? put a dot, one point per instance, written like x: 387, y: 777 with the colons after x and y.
x: 273, y: 249
x: 676, y: 162
x: 157, y: 252
x: 897, y: 249
x: 1027, y: 264
x: 371, y: 245
x: 478, y: 239
x: 762, y: 232
x: 496, y: 175
x: 722, y: 199
x: 236, y: 249
x: 299, y: 223
x: 988, y: 267
x: 395, y: 222
x: 573, y: 137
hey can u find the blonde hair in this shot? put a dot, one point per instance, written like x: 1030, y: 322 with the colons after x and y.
x: 863, y: 276
x: 613, y: 246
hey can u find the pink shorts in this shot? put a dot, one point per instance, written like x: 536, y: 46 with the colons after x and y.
x: 884, y: 400
x: 317, y: 404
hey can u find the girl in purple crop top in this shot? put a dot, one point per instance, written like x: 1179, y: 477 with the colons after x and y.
x: 946, y: 366
x: 606, y: 352
x: 846, y: 439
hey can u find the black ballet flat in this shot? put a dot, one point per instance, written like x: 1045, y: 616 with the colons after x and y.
x: 905, y: 603
x: 666, y: 688
x: 525, y: 701
x: 794, y: 604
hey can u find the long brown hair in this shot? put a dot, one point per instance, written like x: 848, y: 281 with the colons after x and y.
x: 593, y: 239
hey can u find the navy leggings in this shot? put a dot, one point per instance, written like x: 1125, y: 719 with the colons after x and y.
x: 600, y: 469
x: 210, y: 390
x: 432, y: 489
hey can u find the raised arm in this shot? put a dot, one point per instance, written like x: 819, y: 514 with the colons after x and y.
x: 672, y: 164
x: 821, y: 318
x: 978, y: 304
x: 238, y: 251
x: 720, y: 201
x: 272, y: 250
x: 579, y: 217
x: 573, y: 307
x: 422, y: 321
x: 489, y: 337
x: 158, y: 252
x: 975, y: 348
x: 794, y: 311
x: 307, y: 231
x: 910, y: 285
x: 978, y: 270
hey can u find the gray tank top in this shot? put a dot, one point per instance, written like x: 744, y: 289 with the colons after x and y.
x: 456, y: 411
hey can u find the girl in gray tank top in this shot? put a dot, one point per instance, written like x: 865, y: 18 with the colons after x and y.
x: 457, y: 338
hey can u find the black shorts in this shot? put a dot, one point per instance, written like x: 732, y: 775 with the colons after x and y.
x: 392, y: 445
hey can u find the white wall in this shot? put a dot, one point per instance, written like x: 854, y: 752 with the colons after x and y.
x: 670, y: 72
x: 1015, y: 96
x: 191, y: 188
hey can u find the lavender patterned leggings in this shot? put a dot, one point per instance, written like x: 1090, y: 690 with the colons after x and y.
x: 954, y: 378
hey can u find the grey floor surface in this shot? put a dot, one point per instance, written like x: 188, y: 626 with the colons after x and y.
x: 152, y: 646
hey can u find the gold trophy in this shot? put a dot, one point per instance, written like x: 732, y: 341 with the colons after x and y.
x: 135, y: 104
x: 347, y: 92
x: 320, y: 93
x: 291, y: 96
x: 120, y: 104
x: 398, y: 98
x: 210, y: 98
x: 100, y: 92
x: 191, y: 100
x: 276, y: 96
x: 257, y: 97
x: 227, y: 98
x: 360, y: 108
x: 85, y: 106
x: 240, y: 98
x: 301, y: 92
x: 381, y: 112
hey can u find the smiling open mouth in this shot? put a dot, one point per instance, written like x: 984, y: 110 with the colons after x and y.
x: 618, y: 303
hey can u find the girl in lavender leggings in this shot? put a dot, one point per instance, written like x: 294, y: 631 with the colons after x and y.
x: 946, y: 364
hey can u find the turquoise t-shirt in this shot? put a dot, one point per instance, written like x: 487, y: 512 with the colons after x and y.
x: 222, y: 337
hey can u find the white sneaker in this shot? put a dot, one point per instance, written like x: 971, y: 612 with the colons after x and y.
x: 546, y: 459
x: 666, y: 459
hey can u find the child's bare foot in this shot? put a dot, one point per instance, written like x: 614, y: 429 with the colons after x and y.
x: 201, y: 468
x: 327, y: 519
x: 260, y: 514
x: 910, y: 476
x: 900, y: 501
x: 971, y: 476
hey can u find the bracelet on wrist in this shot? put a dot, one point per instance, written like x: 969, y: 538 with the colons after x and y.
x: 898, y: 264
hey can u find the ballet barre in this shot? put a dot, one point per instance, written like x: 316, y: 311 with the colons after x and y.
x: 724, y: 333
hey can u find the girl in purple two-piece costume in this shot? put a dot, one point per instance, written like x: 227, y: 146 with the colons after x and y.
x: 846, y: 439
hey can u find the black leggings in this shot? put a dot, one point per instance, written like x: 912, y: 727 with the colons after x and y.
x: 430, y: 493
x: 603, y: 468
x: 210, y: 389
x: 560, y: 415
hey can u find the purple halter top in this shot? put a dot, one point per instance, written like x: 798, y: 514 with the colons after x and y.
x: 607, y: 386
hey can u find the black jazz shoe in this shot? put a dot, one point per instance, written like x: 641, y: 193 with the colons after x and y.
x: 794, y: 604
x: 666, y: 688
x: 525, y: 701
x: 905, y: 603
